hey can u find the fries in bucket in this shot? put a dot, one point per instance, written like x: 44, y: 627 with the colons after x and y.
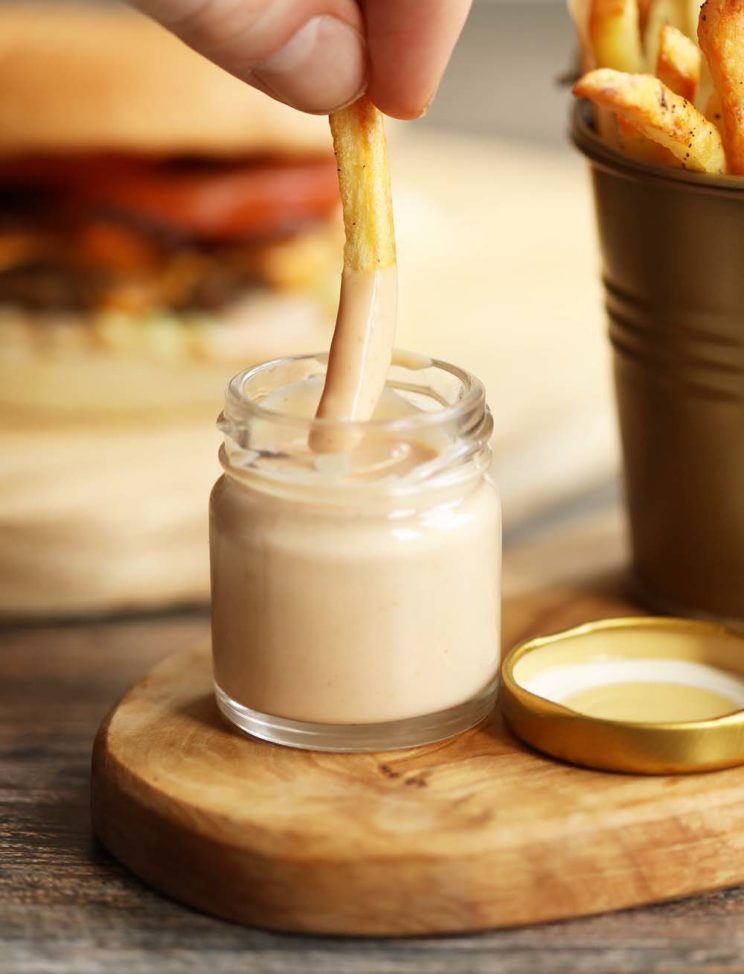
x: 659, y: 115
x: 666, y: 78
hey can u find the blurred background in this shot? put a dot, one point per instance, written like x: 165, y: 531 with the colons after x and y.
x: 514, y: 53
x: 118, y: 335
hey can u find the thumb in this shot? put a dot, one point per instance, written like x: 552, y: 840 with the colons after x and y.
x: 308, y: 53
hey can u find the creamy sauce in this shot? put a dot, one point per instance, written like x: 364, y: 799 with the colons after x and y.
x: 361, y: 353
x: 641, y: 690
x: 301, y: 400
x: 369, y: 457
x: 654, y: 702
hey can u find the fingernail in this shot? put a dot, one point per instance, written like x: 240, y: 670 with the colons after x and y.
x: 429, y: 102
x: 322, y: 67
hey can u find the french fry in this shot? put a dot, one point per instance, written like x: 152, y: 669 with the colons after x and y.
x: 658, y: 114
x: 644, y: 11
x: 707, y: 96
x: 693, y: 16
x: 615, y: 35
x: 678, y: 62
x: 364, y: 180
x: 682, y: 14
x: 713, y: 110
x: 721, y: 36
x: 362, y: 344
x: 579, y: 10
x: 628, y: 139
x: 662, y: 13
x: 615, y: 41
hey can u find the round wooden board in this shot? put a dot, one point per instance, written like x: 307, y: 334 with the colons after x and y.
x: 475, y: 833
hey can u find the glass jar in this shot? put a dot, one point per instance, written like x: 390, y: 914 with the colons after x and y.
x: 355, y: 595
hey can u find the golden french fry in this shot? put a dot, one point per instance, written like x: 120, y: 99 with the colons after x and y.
x: 615, y: 35
x: 706, y: 93
x: 628, y: 139
x: 362, y: 345
x: 693, y: 16
x: 662, y: 13
x: 644, y: 11
x: 678, y: 62
x: 579, y: 10
x: 721, y: 36
x: 364, y: 180
x: 658, y: 114
x: 714, y: 110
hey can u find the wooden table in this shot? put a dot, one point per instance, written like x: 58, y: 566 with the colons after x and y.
x: 66, y: 906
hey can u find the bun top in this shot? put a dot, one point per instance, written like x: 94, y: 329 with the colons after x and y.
x: 104, y: 78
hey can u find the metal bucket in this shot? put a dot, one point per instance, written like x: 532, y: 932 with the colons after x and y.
x: 672, y: 247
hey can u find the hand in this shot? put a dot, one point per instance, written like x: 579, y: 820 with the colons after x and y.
x: 319, y: 55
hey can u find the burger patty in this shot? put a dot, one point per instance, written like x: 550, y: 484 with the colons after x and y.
x: 45, y: 286
x: 182, y: 280
x: 38, y: 286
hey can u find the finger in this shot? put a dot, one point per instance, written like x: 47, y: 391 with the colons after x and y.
x: 410, y: 43
x: 308, y: 53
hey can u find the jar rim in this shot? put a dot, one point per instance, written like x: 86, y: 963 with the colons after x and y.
x: 240, y: 409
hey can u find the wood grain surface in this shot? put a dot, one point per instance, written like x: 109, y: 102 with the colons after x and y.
x: 66, y: 907
x: 468, y: 834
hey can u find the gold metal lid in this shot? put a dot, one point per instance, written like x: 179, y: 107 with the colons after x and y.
x: 640, y: 695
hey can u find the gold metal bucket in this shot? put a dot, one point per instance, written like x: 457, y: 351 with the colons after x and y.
x: 672, y: 247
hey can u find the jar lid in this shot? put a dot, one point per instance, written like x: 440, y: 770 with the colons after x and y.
x: 640, y: 695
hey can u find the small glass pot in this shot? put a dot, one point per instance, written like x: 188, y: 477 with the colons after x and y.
x: 355, y: 595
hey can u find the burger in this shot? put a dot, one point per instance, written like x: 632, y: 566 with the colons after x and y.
x: 162, y: 226
x: 161, y: 223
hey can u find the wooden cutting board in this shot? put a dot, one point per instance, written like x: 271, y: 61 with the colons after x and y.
x: 475, y: 833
